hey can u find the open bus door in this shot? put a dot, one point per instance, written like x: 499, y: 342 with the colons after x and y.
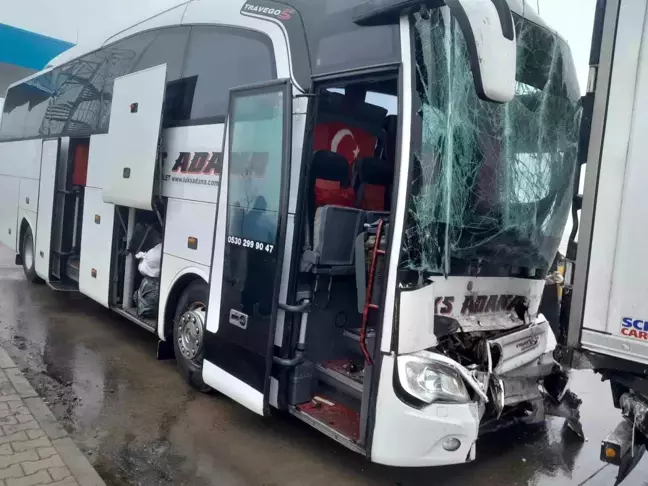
x: 249, y: 243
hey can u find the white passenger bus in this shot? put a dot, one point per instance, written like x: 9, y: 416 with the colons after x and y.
x: 374, y: 271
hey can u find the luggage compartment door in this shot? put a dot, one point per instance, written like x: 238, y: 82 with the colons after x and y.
x: 134, y: 133
x: 96, y: 246
x: 49, y: 163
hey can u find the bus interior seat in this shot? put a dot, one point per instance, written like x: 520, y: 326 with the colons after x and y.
x: 388, y: 151
x: 334, y: 233
x: 330, y: 181
x: 349, y: 126
x: 334, y: 221
x: 80, y: 168
x: 373, y: 172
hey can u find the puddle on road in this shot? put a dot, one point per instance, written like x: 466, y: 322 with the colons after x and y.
x: 141, y: 425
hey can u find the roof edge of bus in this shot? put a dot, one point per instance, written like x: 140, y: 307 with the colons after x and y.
x: 105, y: 37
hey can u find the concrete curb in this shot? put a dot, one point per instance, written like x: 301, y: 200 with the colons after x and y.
x: 74, y: 459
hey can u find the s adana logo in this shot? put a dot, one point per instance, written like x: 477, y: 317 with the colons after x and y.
x: 205, y: 163
x: 242, y: 164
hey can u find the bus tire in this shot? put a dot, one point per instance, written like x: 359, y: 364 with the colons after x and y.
x: 27, y: 252
x: 189, y: 331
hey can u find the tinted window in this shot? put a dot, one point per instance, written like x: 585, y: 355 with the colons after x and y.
x: 76, y: 103
x: 74, y: 99
x: 220, y: 59
x: 356, y: 47
x: 164, y: 46
x: 336, y: 43
x: 256, y: 158
x: 25, y: 106
x: 144, y: 51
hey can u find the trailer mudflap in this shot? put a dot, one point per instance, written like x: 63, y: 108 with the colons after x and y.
x: 621, y: 449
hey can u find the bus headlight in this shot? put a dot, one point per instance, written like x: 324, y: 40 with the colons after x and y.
x: 429, y: 381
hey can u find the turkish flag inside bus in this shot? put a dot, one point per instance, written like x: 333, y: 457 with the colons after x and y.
x: 353, y: 143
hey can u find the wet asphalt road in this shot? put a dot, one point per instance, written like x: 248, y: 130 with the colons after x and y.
x: 139, y: 424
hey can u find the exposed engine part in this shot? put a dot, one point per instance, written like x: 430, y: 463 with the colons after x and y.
x: 517, y: 368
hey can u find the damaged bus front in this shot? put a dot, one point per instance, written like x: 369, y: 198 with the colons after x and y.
x: 484, y: 194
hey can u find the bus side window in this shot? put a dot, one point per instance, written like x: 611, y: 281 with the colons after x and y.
x: 220, y: 58
x: 165, y: 46
x: 149, y: 49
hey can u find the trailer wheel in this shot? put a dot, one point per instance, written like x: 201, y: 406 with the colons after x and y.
x: 189, y: 331
x: 28, y: 256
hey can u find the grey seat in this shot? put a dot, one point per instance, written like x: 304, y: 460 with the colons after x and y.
x: 334, y: 233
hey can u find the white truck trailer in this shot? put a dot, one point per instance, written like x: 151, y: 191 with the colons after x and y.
x: 605, y: 308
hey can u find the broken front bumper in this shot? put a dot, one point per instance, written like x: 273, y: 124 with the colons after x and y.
x: 446, y: 433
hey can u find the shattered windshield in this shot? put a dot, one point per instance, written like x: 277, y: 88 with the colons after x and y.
x: 491, y: 183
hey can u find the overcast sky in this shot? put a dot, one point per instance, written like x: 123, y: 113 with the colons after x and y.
x: 573, y: 19
x: 80, y: 20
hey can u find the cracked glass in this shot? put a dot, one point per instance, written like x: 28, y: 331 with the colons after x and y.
x: 491, y: 183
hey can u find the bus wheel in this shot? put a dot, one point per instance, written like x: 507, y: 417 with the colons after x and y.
x: 27, y: 253
x: 189, y: 332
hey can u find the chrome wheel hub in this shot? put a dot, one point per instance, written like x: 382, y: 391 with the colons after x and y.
x: 191, y: 329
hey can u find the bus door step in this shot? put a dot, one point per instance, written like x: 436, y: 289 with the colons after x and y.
x: 335, y: 420
x: 73, y: 269
x: 63, y: 286
x: 340, y: 375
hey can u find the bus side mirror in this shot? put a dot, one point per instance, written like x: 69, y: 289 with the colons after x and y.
x: 489, y: 31
x: 487, y: 26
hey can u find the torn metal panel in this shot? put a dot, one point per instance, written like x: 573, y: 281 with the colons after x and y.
x: 416, y: 312
x: 521, y: 348
x: 518, y: 390
x: 492, y: 322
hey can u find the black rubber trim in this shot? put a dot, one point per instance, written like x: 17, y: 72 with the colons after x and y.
x: 238, y: 361
x: 367, y: 14
x: 295, y: 33
x: 464, y: 23
x: 506, y: 19
x: 393, y: 251
x: 283, y: 223
x: 597, y: 32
